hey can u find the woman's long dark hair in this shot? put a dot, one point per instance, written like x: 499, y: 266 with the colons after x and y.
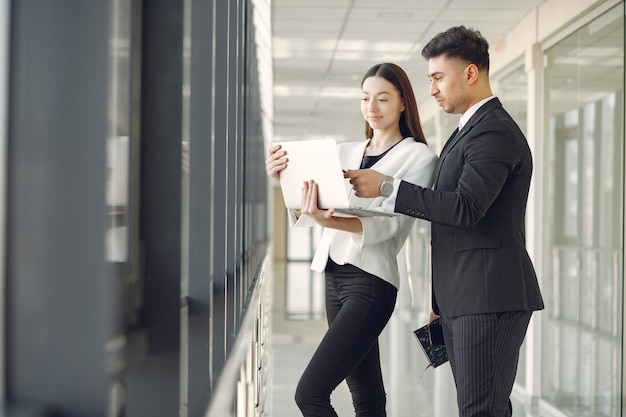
x: 409, y: 119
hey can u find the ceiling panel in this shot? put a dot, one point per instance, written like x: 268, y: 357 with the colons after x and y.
x: 304, y: 25
x: 401, y: 4
x: 322, y: 48
x: 490, y: 4
x: 309, y: 12
x: 326, y: 4
x: 381, y: 16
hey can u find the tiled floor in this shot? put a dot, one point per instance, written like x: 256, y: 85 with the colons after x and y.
x: 292, y: 342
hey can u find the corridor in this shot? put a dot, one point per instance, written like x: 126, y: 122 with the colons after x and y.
x: 291, y: 343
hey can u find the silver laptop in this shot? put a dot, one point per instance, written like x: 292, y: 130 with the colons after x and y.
x: 318, y: 160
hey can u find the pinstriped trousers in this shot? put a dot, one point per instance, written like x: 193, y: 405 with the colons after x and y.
x: 483, y: 350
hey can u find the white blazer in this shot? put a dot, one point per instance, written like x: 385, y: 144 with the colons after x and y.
x: 376, y: 250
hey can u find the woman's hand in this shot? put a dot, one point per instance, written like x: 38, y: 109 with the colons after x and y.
x: 325, y: 218
x: 276, y: 161
x: 309, y: 204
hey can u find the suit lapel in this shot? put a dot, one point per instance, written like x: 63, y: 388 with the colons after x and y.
x: 444, y: 152
x: 457, y: 135
x: 446, y: 146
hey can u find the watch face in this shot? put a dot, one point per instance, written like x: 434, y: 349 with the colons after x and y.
x: 386, y: 189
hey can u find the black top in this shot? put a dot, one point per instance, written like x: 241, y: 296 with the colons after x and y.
x: 369, y: 160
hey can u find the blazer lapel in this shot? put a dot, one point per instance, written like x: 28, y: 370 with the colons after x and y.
x: 390, y: 160
x: 457, y: 135
x: 444, y: 152
x: 353, y: 159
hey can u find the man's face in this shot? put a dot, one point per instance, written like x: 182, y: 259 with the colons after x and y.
x: 447, y: 83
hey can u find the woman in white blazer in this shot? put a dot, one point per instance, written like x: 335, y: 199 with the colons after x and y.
x: 359, y: 254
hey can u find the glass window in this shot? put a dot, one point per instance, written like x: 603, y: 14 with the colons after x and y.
x: 119, y: 132
x: 122, y: 167
x: 122, y: 236
x: 304, y: 288
x: 512, y: 90
x: 583, y: 281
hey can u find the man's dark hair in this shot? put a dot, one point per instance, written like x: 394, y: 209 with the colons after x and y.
x: 462, y: 43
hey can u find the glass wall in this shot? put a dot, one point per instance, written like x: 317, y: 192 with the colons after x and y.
x: 224, y: 207
x: 122, y: 175
x: 4, y: 98
x: 304, y: 288
x: 583, y: 278
x: 60, y: 302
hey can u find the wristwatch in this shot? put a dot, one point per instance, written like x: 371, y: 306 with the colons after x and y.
x: 386, y: 188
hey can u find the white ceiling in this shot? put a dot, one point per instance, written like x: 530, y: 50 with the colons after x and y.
x: 321, y: 48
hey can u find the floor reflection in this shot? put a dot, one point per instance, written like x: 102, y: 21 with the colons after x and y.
x: 412, y: 390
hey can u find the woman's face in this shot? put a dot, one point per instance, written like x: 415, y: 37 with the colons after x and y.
x: 381, y: 104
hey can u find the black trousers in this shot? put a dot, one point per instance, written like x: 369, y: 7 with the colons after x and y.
x: 358, y: 306
x: 484, y: 351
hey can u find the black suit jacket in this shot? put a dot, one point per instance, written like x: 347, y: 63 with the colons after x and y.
x: 477, y: 208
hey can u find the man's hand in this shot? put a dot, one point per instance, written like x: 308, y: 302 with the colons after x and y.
x: 365, y: 182
x: 433, y: 317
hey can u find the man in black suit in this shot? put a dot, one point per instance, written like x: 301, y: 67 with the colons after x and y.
x: 484, y: 284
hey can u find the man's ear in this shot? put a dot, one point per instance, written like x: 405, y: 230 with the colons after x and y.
x: 471, y: 73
